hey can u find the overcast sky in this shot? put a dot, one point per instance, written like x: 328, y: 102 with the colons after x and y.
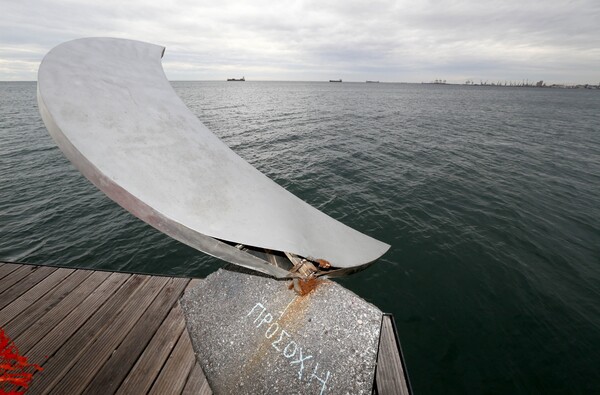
x: 412, y: 40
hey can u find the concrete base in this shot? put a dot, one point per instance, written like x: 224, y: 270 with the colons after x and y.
x: 253, y: 335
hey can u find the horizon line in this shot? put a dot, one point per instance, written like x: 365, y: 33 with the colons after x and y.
x: 516, y: 84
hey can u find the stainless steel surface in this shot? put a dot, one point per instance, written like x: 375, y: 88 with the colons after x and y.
x: 109, y: 107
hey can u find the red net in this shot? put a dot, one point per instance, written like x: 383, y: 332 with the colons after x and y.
x: 15, y: 371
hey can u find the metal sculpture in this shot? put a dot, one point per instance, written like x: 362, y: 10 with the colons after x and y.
x: 110, y: 108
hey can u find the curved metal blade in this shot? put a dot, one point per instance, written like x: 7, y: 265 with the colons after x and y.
x: 111, y: 110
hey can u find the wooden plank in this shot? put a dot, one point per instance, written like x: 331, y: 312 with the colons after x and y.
x: 48, y: 333
x: 38, y: 309
x: 390, y: 375
x: 98, y: 352
x: 174, y: 374
x: 37, y: 274
x: 35, y: 293
x: 94, y: 326
x: 15, y: 276
x: 148, y: 366
x: 7, y: 268
x: 109, y: 378
x: 197, y: 383
x: 71, y: 336
x: 205, y: 389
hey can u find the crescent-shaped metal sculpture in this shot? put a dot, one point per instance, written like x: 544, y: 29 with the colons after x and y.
x: 110, y: 108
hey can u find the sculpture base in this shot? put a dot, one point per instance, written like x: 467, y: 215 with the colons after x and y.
x: 254, y: 335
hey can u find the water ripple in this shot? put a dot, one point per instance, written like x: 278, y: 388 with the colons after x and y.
x: 488, y: 196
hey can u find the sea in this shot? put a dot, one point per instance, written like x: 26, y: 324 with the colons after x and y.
x: 488, y: 196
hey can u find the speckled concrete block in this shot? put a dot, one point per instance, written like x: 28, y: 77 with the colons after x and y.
x: 253, y: 335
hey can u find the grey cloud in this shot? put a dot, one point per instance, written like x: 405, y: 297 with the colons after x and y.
x: 308, y: 40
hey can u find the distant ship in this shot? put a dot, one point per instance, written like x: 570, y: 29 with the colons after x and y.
x: 236, y: 79
x: 340, y: 80
x: 372, y: 82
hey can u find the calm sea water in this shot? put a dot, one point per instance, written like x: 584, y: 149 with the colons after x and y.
x: 490, y: 198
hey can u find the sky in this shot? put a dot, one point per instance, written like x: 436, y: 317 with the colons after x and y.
x: 557, y: 41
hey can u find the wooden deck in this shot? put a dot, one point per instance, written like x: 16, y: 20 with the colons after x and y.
x: 98, y: 332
